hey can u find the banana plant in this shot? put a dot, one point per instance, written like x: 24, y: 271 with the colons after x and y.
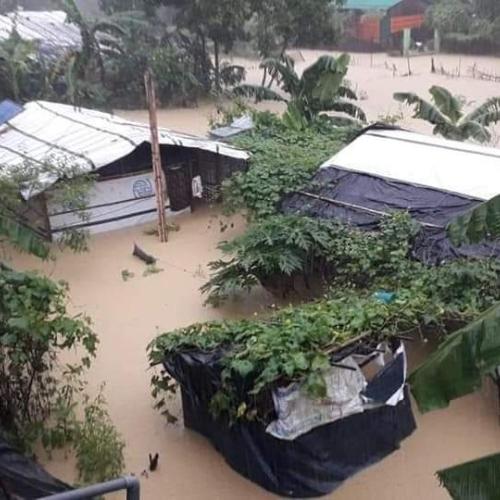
x: 100, y: 37
x: 476, y: 480
x: 322, y: 87
x: 459, y: 364
x: 446, y: 112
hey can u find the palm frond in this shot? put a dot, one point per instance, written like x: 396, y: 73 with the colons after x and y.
x: 475, y: 480
x: 258, y: 92
x: 449, y: 105
x: 324, y: 77
x: 474, y: 130
x: 108, y: 28
x: 479, y: 224
x: 346, y: 107
x: 282, y: 71
x: 423, y: 109
x: 487, y: 113
x: 347, y: 93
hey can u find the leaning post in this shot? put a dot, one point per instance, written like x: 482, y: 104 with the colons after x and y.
x: 156, y: 155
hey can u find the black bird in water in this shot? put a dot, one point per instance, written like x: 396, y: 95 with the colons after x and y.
x: 153, y: 462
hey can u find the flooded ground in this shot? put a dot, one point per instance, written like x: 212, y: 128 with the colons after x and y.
x: 127, y: 315
x: 375, y: 77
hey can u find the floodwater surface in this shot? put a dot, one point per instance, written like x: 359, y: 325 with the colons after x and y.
x: 128, y: 314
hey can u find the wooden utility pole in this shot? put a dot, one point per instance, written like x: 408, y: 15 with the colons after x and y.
x: 156, y: 156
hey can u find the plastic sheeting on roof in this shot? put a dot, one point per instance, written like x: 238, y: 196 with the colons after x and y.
x: 64, y: 135
x: 9, y: 109
x: 49, y: 29
x: 236, y: 127
x: 452, y: 166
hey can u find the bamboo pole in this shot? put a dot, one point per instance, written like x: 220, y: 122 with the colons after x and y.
x: 156, y: 156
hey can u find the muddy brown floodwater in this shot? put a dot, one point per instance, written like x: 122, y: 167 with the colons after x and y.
x: 375, y: 77
x: 127, y: 315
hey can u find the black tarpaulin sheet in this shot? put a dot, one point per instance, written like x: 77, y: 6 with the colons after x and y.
x: 312, y: 465
x: 426, y: 205
x: 21, y: 477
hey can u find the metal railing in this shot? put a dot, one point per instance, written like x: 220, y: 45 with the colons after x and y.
x: 129, y: 483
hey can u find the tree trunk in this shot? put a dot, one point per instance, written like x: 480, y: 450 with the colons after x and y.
x: 217, y: 65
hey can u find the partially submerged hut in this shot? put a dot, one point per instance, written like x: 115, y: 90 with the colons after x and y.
x: 387, y: 169
x: 49, y: 30
x: 43, y: 134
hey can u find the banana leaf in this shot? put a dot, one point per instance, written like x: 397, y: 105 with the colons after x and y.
x: 459, y: 364
x: 476, y: 480
x: 480, y: 223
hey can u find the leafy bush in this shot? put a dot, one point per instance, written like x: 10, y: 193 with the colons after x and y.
x: 277, y: 246
x: 282, y: 161
x: 35, y: 328
x: 98, y: 445
x: 278, y: 249
x: 291, y: 345
x: 40, y: 398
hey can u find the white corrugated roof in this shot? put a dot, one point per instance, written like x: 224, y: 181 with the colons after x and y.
x: 47, y: 132
x: 433, y: 162
x: 49, y: 28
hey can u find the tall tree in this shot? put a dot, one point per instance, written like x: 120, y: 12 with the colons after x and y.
x: 281, y: 23
x: 220, y: 22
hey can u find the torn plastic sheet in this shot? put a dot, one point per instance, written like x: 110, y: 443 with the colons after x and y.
x: 311, y: 465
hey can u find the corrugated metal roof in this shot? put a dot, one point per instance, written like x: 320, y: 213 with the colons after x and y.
x: 370, y: 4
x: 49, y: 29
x: 60, y: 134
x: 417, y: 159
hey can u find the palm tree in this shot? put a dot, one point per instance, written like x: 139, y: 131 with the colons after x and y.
x: 322, y: 87
x: 446, y: 113
x: 100, y: 37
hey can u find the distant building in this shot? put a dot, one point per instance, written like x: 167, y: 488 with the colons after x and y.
x: 48, y: 29
x: 382, y: 24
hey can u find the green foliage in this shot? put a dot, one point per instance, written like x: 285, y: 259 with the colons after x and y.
x: 322, y: 87
x: 281, y: 161
x: 291, y: 345
x: 98, y: 445
x: 471, y: 25
x: 281, y: 247
x: 294, y: 343
x: 71, y: 194
x: 457, y: 367
x: 35, y: 329
x: 278, y: 24
x: 19, y: 68
x: 478, y: 224
x: 447, y: 115
x: 476, y: 480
